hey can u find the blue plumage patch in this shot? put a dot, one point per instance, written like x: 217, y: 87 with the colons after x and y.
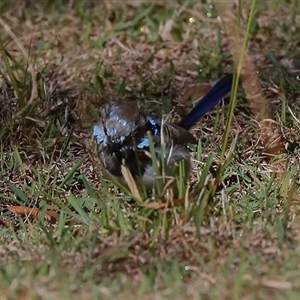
x: 144, y: 143
x: 111, y: 131
x: 98, y: 134
x: 155, y: 130
x: 155, y: 126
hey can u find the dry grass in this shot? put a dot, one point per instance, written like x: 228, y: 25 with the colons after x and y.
x: 239, y: 243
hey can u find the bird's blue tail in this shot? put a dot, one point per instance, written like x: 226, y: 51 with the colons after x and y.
x: 218, y: 91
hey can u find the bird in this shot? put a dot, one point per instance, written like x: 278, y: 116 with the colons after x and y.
x: 125, y: 136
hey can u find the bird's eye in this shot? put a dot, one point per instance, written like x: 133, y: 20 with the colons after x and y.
x: 98, y: 134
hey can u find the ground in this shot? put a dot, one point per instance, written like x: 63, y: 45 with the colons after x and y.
x: 66, y: 232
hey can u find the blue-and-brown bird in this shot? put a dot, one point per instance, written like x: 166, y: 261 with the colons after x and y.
x: 122, y: 137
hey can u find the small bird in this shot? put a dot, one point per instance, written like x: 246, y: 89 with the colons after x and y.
x: 122, y: 138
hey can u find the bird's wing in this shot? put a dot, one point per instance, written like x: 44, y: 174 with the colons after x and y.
x: 175, y: 134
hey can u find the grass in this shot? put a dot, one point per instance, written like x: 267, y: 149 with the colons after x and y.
x: 236, y: 236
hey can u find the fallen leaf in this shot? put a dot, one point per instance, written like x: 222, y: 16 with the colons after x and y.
x: 50, y: 215
x: 155, y: 205
x: 280, y: 285
x: 195, y: 92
